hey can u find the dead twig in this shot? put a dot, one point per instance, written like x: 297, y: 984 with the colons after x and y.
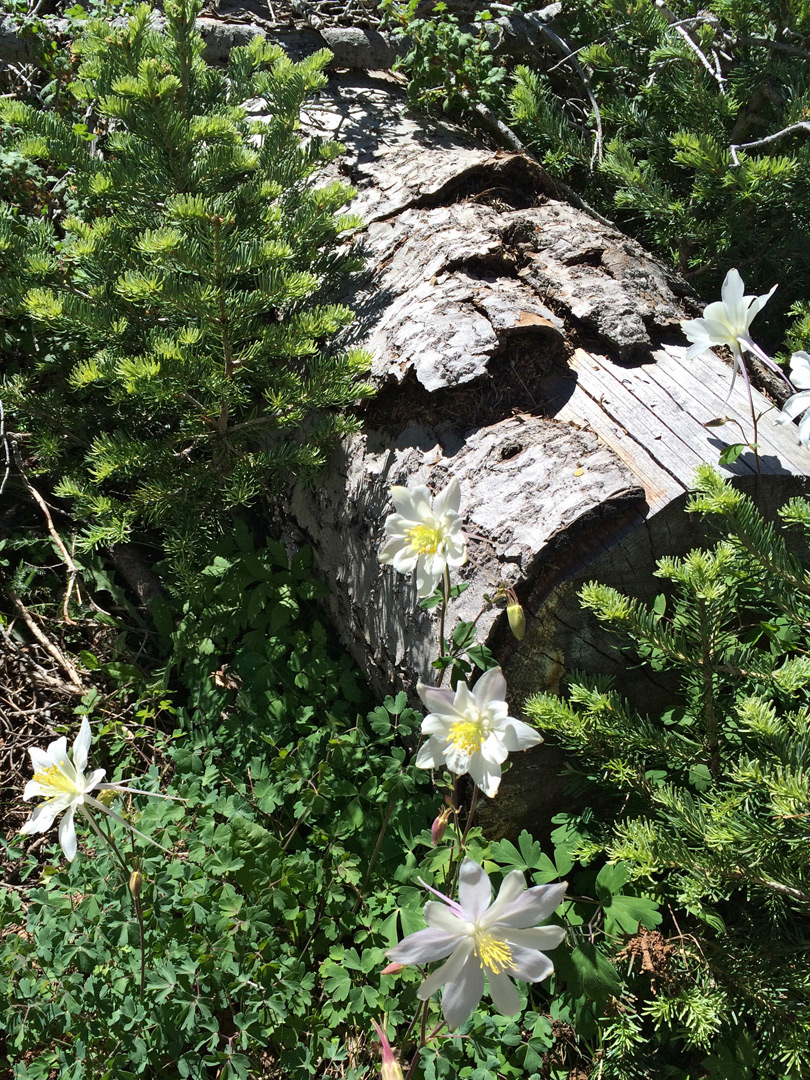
x: 54, y: 650
x: 803, y: 125
x: 67, y: 558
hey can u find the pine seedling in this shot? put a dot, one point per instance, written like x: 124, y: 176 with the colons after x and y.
x: 182, y: 340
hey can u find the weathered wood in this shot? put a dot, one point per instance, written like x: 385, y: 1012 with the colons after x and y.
x: 536, y: 354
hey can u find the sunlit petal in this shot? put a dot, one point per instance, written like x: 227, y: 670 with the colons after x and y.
x: 424, y: 946
x: 504, y: 993
x: 474, y: 890
x: 81, y: 746
x: 447, y: 972
x: 67, y: 834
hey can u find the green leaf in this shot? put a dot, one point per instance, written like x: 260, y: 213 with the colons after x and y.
x: 730, y: 454
x: 623, y: 914
x: 591, y: 973
x: 464, y: 635
x: 700, y: 777
x: 611, y: 879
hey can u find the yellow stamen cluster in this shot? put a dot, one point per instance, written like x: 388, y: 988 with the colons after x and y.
x: 466, y: 735
x: 492, y: 953
x: 424, y: 540
x: 56, y: 780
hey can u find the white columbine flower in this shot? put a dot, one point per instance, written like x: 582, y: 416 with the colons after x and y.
x: 500, y: 938
x: 471, y: 730
x: 425, y: 535
x: 63, y: 785
x: 726, y: 322
x: 799, y: 403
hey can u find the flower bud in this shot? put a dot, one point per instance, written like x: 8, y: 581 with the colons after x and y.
x: 439, y: 826
x: 106, y: 797
x: 516, y: 617
x: 391, y: 1069
x: 135, y: 883
x: 393, y: 968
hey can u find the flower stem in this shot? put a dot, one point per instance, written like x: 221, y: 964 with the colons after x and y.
x: 422, y: 1041
x: 747, y: 381
x: 442, y: 618
x: 108, y: 839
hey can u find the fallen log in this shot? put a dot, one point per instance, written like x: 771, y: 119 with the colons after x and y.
x: 534, y: 353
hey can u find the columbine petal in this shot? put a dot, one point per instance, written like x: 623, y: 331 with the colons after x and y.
x: 81, y: 746
x: 425, y: 583
x: 494, y: 749
x: 431, y: 755
x: 800, y: 370
x: 43, y: 816
x: 531, y: 907
x: 57, y: 751
x: 486, y: 775
x: 795, y: 405
x: 530, y: 965
x: 447, y: 972
x: 541, y: 938
x: 804, y: 429
x: 512, y: 888
x: 490, y: 687
x: 504, y: 993
x: 67, y: 834
x: 448, y: 500
x: 732, y: 291
x: 458, y: 759
x: 436, y: 700
x: 519, y: 736
x: 39, y: 759
x: 404, y: 559
x: 474, y: 890
x: 759, y: 302
x: 423, y: 947
x: 440, y: 917
x: 461, y: 996
x: 94, y: 781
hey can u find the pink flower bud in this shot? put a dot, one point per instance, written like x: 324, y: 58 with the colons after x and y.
x: 391, y: 1069
x: 393, y: 969
x: 439, y: 826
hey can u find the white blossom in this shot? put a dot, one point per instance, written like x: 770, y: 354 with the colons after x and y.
x: 500, y: 939
x: 471, y: 730
x: 798, y: 404
x: 727, y: 321
x: 63, y: 785
x: 424, y: 534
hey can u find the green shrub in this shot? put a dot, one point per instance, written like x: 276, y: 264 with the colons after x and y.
x: 174, y: 290
x: 706, y: 805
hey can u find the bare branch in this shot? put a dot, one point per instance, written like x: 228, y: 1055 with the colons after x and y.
x: 777, y: 46
x: 803, y: 125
